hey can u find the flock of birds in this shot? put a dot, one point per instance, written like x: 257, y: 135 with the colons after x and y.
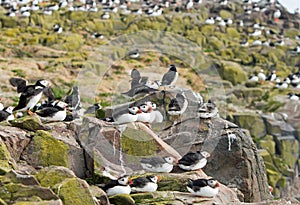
x: 292, y: 81
x: 192, y: 161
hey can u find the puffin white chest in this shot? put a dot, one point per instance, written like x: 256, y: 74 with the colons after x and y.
x: 33, y: 101
x: 118, y: 190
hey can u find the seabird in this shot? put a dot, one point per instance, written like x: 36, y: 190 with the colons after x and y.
x: 178, y: 105
x: 6, y: 114
x: 158, y: 164
x: 145, y: 115
x: 126, y: 116
x: 118, y: 186
x: 208, y: 110
x: 193, y: 160
x: 30, y: 94
x: 57, y: 112
x: 203, y: 187
x: 145, y: 184
x: 134, y: 54
x: 170, y: 77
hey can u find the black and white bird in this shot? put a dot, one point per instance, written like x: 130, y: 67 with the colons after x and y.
x: 158, y: 164
x: 137, y: 79
x: 6, y: 114
x: 203, y: 187
x: 145, y: 184
x: 170, y: 78
x: 93, y: 108
x: 98, y: 35
x: 178, y: 105
x: 261, y: 75
x: 272, y: 77
x: 142, y: 89
x: 57, y: 28
x: 253, y: 78
x: 126, y: 116
x: 293, y: 96
x: 55, y: 112
x: 134, y: 54
x: 118, y: 186
x: 208, y: 110
x: 145, y: 115
x: 30, y: 94
x: 73, y: 99
x: 193, y: 160
x: 155, y: 115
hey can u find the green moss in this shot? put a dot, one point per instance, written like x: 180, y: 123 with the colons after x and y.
x: 138, y: 143
x: 19, y: 72
x: 253, y: 122
x: 8, y: 22
x: 232, y: 32
x: 233, y: 73
x: 50, y: 176
x: 273, y: 176
x: 172, y: 183
x: 215, y: 43
x: 291, y: 33
x: 268, y: 144
x: 208, y: 30
x: 4, y: 159
x: 74, y: 191
x: 290, y: 152
x: 28, y: 123
x: 73, y: 42
x: 272, y: 106
x: 121, y: 199
x: 48, y: 150
x: 225, y: 14
x: 12, y: 32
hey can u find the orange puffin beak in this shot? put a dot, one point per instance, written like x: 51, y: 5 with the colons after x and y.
x: 140, y: 111
x: 130, y: 181
x: 158, y: 178
x: 176, y: 161
x: 217, y: 184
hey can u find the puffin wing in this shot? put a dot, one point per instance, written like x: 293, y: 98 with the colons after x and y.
x: 190, y: 158
x: 154, y: 161
x: 110, y: 184
x: 3, y: 115
x: 19, y: 83
x: 168, y: 78
x: 140, y: 182
x: 25, y: 97
x: 47, y: 111
x: 48, y: 92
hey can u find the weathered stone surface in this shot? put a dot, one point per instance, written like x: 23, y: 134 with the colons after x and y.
x: 22, y: 178
x: 122, y: 199
x: 99, y: 194
x: 52, y: 175
x: 252, y: 122
x: 277, y: 127
x: 15, y: 140
x: 4, y: 159
x: 31, y: 123
x: 74, y: 191
x: 45, y: 150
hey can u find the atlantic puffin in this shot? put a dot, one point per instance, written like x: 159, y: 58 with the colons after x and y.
x: 145, y: 184
x: 6, y: 114
x: 170, y: 77
x: 178, y: 105
x: 30, y: 94
x: 203, y: 187
x: 193, y: 160
x: 55, y: 112
x: 126, y: 116
x: 118, y: 186
x: 155, y: 115
x: 158, y: 164
x: 145, y: 115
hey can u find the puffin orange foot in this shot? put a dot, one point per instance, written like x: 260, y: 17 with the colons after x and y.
x: 30, y: 112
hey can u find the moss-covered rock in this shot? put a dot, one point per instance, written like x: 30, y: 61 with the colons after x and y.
x: 31, y: 123
x: 45, y: 150
x: 2, y: 202
x: 233, y: 73
x: 225, y: 14
x: 290, y: 151
x: 73, y: 42
x: 122, y: 199
x: 253, y: 122
x: 268, y: 144
x: 50, y: 176
x: 233, y: 33
x: 4, y: 159
x: 215, y: 43
x: 74, y: 191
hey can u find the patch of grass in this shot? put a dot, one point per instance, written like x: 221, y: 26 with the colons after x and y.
x: 20, y: 73
x: 59, y: 92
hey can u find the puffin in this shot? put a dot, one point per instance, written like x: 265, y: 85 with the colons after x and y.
x: 6, y: 114
x: 93, y: 108
x: 118, y: 186
x: 142, y: 89
x: 145, y: 184
x: 145, y: 116
x: 136, y: 78
x: 208, y: 110
x: 261, y: 75
x: 293, y: 96
x: 126, y: 116
x: 193, y: 160
x: 158, y: 164
x: 134, y: 54
x: 203, y: 187
x: 170, y: 77
x: 155, y: 115
x: 253, y: 78
x: 30, y: 94
x: 55, y: 112
x: 178, y: 105
x: 73, y: 100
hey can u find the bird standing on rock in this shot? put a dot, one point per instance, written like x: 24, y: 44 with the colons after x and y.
x: 55, y: 112
x: 6, y: 114
x: 145, y: 184
x: 30, y: 94
x: 158, y: 164
x: 203, y: 187
x: 127, y: 116
x: 119, y: 186
x: 193, y: 160
x: 170, y: 78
